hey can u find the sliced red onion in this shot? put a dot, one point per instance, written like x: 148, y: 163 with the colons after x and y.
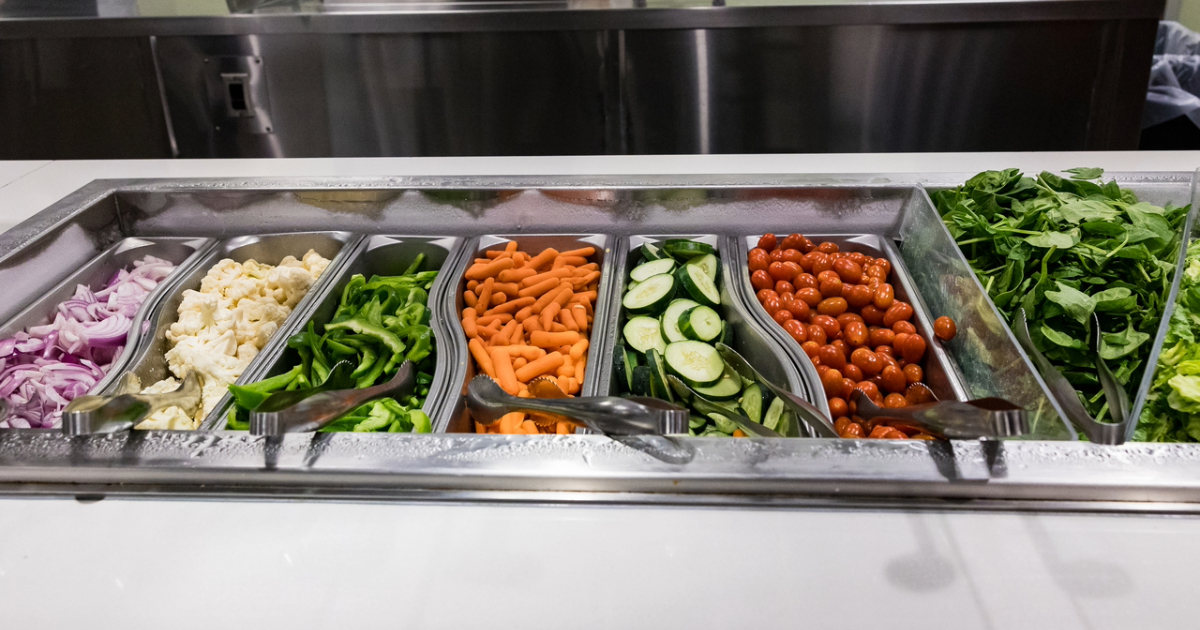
x: 44, y: 368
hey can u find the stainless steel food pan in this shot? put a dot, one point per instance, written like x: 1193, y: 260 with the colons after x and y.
x: 149, y: 363
x: 749, y: 337
x: 455, y: 417
x: 375, y: 256
x: 183, y: 252
x: 941, y: 374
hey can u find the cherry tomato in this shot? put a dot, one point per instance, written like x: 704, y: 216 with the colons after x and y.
x: 799, y: 308
x: 853, y: 432
x: 850, y: 271
x: 793, y: 269
x: 809, y: 261
x: 884, y: 296
x: 810, y: 347
x: 847, y: 317
x: 855, y: 333
x: 760, y: 280
x: 852, y: 372
x: 827, y: 247
x: 808, y: 246
x: 884, y: 264
x: 867, y: 361
x: 777, y: 271
x: 832, y: 382
x: 833, y: 306
x: 816, y: 334
x: 871, y: 315
x: 885, y: 351
x: 879, y: 431
x: 796, y: 330
x: 859, y: 258
x: 870, y: 390
x: 783, y: 286
x: 875, y: 271
x: 914, y: 349
x: 830, y: 325
x: 805, y: 280
x: 944, y: 328
x: 831, y: 357
x: 857, y: 295
x: 758, y: 259
x: 904, y: 327
x: 812, y: 297
x: 892, y: 379
x: 841, y: 345
x: 893, y: 401
x: 847, y: 387
x: 913, y: 373
x: 843, y: 420
x: 782, y: 315
x: 771, y: 304
x: 763, y: 294
x: 830, y: 287
x: 825, y: 263
x: 882, y: 336
x: 792, y: 255
x: 767, y: 242
x: 792, y: 241
x: 899, y: 311
x: 821, y: 369
x: 786, y: 298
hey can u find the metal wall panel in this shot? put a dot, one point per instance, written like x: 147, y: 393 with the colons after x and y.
x: 953, y: 87
x: 436, y: 94
x: 80, y: 99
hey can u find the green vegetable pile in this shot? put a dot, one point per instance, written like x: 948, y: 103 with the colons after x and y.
x: 1172, y: 412
x: 378, y: 324
x: 1063, y: 249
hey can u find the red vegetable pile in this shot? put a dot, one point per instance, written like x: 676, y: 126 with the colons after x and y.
x: 45, y: 367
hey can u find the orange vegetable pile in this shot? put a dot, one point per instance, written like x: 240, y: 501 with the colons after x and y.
x: 528, y: 317
x: 841, y: 309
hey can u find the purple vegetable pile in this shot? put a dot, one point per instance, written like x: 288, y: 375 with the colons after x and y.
x: 45, y: 367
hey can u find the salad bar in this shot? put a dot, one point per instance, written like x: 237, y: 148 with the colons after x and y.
x: 957, y: 340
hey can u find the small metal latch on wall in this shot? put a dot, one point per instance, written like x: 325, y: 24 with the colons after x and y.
x: 238, y: 101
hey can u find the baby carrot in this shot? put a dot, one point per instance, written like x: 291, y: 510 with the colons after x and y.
x: 579, y: 314
x: 485, y: 296
x: 516, y: 275
x: 542, y: 277
x: 583, y: 252
x: 569, y: 261
x: 543, y: 339
x: 486, y: 320
x: 544, y: 258
x: 505, y: 375
x: 510, y: 247
x: 507, y: 288
x: 578, y: 348
x: 548, y: 297
x: 510, y: 421
x: 470, y: 299
x: 536, y: 368
x: 549, y: 314
x: 513, y: 305
x: 468, y: 322
x: 498, y: 297
x: 481, y: 357
x: 567, y: 368
x: 567, y: 319
x: 529, y: 427
x: 539, y: 289
x: 488, y: 270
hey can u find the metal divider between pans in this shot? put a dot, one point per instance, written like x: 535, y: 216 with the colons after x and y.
x: 1143, y: 392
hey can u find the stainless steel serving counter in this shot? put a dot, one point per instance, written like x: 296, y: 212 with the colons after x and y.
x: 381, y: 559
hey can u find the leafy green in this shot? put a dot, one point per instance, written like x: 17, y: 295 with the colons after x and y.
x: 379, y: 323
x: 1172, y: 411
x: 1064, y: 249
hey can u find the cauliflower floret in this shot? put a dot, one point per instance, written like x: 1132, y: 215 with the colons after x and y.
x: 224, y: 325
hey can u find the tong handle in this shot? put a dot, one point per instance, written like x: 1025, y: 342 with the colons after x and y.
x: 121, y: 412
x: 318, y: 410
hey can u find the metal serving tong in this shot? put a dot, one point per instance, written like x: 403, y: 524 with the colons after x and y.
x: 1118, y: 401
x: 818, y: 425
x: 985, y: 418
x: 126, y: 408
x: 706, y: 406
x: 308, y: 410
x: 608, y: 415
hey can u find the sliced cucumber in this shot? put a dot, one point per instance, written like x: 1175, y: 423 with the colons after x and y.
x: 695, y: 363
x: 727, y: 388
x: 621, y: 370
x: 751, y: 403
x: 652, y: 294
x: 670, y: 319
x: 699, y: 322
x: 633, y: 284
x: 652, y: 268
x: 650, y: 251
x: 632, y: 357
x: 641, y: 381
x: 643, y: 334
x: 658, y: 376
x: 774, y: 414
x: 698, y: 285
x: 710, y: 263
x: 696, y: 421
x: 726, y: 334
x: 724, y: 425
x: 683, y: 249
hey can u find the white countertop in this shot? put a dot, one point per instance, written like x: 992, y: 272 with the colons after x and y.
x: 324, y: 564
